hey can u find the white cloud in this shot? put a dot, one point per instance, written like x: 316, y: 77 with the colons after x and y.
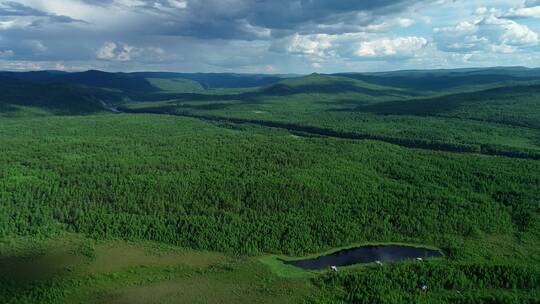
x: 4, y: 25
x: 113, y: 51
x: 313, y: 45
x: 60, y: 67
x: 20, y: 65
x: 75, y: 9
x: 488, y: 34
x: 178, y: 3
x: 507, y: 32
x: 523, y: 12
x: 363, y: 46
x: 391, y: 47
x: 107, y: 51
x: 389, y: 24
x: 482, y: 11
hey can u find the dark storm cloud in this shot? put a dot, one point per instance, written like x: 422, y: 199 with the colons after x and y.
x: 294, y: 14
x: 249, y: 19
x: 229, y: 19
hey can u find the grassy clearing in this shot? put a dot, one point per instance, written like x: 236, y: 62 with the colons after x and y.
x: 242, y: 281
x: 73, y: 269
x: 118, y: 256
x: 286, y: 271
x: 176, y: 85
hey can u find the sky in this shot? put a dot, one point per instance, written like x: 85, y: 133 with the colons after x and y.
x: 267, y: 36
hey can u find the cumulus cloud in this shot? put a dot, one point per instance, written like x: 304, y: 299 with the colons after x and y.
x: 177, y: 3
x: 109, y: 52
x: 320, y: 48
x: 402, y: 47
x: 113, y: 51
x: 524, y: 12
x: 528, y: 9
x: 313, y: 45
x: 489, y: 34
x: 506, y: 32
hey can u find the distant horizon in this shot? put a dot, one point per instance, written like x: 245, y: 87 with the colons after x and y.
x: 276, y: 74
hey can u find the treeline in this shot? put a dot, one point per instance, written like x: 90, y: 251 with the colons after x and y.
x: 443, y: 283
x: 509, y: 152
x: 404, y: 142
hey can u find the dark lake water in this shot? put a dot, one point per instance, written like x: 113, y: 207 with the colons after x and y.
x: 365, y: 254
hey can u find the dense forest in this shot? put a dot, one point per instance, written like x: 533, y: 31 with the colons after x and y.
x: 446, y: 283
x: 189, y: 183
x: 294, y: 167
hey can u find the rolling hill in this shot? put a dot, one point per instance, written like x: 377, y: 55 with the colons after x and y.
x: 516, y: 105
x: 62, y: 99
x: 501, y: 120
x: 444, y: 80
x: 205, y: 187
x: 216, y: 80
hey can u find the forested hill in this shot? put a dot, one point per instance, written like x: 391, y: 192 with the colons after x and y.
x: 92, y: 78
x: 216, y: 80
x: 138, y: 82
x: 515, y: 105
x: 78, y: 92
x: 448, y: 111
x: 85, y: 92
x: 496, y: 119
x: 485, y: 117
x: 421, y: 81
x: 18, y: 96
x: 330, y: 84
x: 441, y: 80
x: 207, y: 189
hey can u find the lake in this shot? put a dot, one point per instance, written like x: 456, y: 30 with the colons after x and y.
x: 365, y: 254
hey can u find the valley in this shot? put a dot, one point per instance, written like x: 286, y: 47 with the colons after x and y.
x: 199, y: 189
